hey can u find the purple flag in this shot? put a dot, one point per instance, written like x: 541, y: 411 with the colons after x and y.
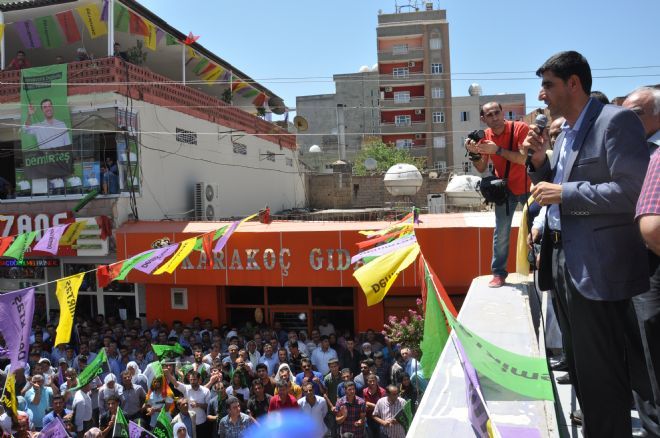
x: 387, y: 248
x: 50, y: 241
x: 225, y: 237
x: 4, y: 352
x: 159, y: 35
x: 104, y: 11
x: 55, y: 429
x: 27, y: 31
x: 16, y: 312
x: 135, y: 431
x: 158, y: 256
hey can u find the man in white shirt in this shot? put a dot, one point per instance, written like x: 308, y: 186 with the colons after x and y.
x: 82, y: 410
x: 51, y: 133
x: 315, y: 406
x: 322, y: 355
x: 198, y: 400
x: 386, y: 409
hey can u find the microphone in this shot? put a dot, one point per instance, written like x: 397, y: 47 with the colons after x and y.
x: 541, y: 122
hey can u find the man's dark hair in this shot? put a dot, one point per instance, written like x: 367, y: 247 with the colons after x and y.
x: 282, y: 384
x: 44, y: 101
x: 481, y: 110
x: 193, y: 373
x: 378, y: 355
x: 262, y: 366
x: 257, y: 382
x: 566, y: 64
x: 113, y: 397
x: 20, y: 52
x: 293, y: 344
x: 57, y: 397
x: 231, y: 400
x: 305, y: 360
x: 349, y: 384
x: 324, y: 338
x: 600, y: 96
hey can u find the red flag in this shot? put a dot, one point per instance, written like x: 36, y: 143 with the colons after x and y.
x: 5, y: 242
x: 106, y: 273
x: 260, y: 100
x: 207, y: 69
x: 137, y: 25
x: 190, y: 39
x: 207, y: 244
x: 69, y: 28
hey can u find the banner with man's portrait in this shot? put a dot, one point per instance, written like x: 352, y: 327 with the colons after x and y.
x: 46, y: 134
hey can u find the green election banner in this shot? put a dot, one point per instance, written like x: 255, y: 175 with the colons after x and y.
x: 46, y: 134
x: 524, y: 375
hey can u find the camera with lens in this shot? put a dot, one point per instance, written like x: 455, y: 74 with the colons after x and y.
x: 476, y: 136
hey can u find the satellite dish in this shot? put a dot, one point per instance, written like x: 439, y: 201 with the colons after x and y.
x: 276, y: 105
x: 315, y: 149
x: 300, y: 123
x: 370, y: 164
x: 364, y: 69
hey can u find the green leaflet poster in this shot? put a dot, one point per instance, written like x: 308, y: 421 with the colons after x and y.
x: 46, y: 133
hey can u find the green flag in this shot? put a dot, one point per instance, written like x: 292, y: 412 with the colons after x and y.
x: 160, y: 350
x: 218, y: 234
x: 93, y: 369
x: 120, y: 17
x: 49, y: 32
x: 121, y: 425
x: 163, y: 428
x: 405, y: 416
x: 524, y: 375
x: 20, y: 245
x: 170, y: 40
x: 435, y: 329
x: 130, y: 264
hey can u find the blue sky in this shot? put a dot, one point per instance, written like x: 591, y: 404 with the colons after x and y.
x: 278, y: 42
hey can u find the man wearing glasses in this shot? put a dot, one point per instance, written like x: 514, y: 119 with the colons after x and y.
x: 499, y: 147
x: 309, y: 376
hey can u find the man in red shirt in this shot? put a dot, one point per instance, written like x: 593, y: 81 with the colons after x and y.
x: 371, y: 394
x: 19, y: 62
x: 282, y: 400
x: 499, y: 147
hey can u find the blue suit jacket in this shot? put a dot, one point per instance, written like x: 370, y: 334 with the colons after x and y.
x: 603, y: 176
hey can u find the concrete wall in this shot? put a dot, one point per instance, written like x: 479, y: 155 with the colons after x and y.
x: 349, y: 191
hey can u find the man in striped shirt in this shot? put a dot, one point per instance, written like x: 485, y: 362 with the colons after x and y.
x: 385, y: 411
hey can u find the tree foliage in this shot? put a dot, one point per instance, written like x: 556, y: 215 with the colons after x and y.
x: 385, y: 155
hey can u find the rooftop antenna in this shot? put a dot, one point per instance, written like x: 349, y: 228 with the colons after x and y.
x: 408, y: 5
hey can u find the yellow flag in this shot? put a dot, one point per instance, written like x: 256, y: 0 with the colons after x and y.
x: 67, y: 295
x: 213, y: 75
x: 72, y: 233
x: 2, y: 30
x: 91, y: 16
x: 185, y: 248
x: 191, y: 53
x: 150, y: 40
x: 8, y: 400
x: 377, y: 277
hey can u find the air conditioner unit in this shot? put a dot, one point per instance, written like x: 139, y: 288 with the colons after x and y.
x: 207, y: 201
x: 411, y: 64
x: 418, y: 112
x: 388, y: 89
x: 419, y: 136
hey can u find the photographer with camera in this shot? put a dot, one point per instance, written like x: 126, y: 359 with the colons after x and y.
x: 501, y: 143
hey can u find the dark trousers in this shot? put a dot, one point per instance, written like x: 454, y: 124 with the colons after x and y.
x: 596, y: 355
x: 647, y: 393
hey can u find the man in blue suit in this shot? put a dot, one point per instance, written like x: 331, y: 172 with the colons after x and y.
x: 592, y: 254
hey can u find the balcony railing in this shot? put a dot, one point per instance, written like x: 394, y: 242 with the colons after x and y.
x: 393, y: 128
x: 114, y: 75
x: 413, y: 102
x: 397, y: 55
x: 411, y: 78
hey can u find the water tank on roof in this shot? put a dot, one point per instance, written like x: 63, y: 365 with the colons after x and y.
x: 403, y: 180
x: 475, y: 90
x: 364, y: 69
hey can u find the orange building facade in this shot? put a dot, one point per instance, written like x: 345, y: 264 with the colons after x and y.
x: 297, y: 273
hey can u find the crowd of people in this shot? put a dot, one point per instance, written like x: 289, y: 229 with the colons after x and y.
x: 226, y: 380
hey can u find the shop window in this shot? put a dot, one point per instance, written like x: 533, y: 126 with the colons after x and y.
x: 87, y: 306
x: 179, y: 298
x: 287, y: 295
x: 245, y: 295
x: 120, y: 307
x: 342, y: 319
x: 332, y: 296
x: 240, y: 317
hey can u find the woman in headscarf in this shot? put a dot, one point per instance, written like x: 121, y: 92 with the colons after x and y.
x: 180, y: 431
x: 284, y: 375
x: 157, y: 399
x: 137, y: 377
x: 110, y: 387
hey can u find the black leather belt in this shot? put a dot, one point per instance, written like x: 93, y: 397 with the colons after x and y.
x: 555, y: 237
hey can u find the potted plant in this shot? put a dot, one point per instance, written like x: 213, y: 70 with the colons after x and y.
x: 136, y: 55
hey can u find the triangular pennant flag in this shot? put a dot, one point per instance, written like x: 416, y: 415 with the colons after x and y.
x: 5, y: 242
x: 248, y: 92
x: 260, y: 100
x: 190, y: 39
x: 207, y: 244
x: 92, y: 370
x: 159, y: 35
x: 105, y: 274
x: 170, y: 40
x: 8, y: 399
x: 377, y: 277
x: 213, y: 75
x: 137, y: 25
x: 20, y: 245
x: 151, y: 39
x: 157, y: 257
x: 67, y: 296
x: 184, y: 250
x: 28, y: 34
x: 435, y: 329
x: 238, y: 85
x: 120, y: 429
x: 48, y: 32
x: 129, y: 264
x: 50, y: 241
x: 121, y: 17
x: 91, y: 16
x: 201, y: 66
x: 161, y: 350
x: 227, y: 234
x: 16, y: 313
x: 104, y: 11
x: 72, y: 233
x: 68, y: 26
x: 163, y: 428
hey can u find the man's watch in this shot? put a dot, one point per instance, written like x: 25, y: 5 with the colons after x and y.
x: 498, y: 151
